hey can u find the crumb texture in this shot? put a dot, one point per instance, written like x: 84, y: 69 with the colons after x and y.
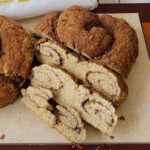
x: 65, y: 120
x: 93, y: 107
x: 92, y: 74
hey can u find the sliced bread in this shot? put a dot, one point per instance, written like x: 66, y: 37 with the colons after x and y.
x: 92, y: 106
x: 65, y: 120
x: 93, y: 75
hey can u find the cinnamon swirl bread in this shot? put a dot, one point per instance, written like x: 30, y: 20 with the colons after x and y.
x: 65, y: 120
x: 93, y: 75
x: 92, y: 107
x: 109, y: 40
x: 48, y: 24
x: 106, y: 40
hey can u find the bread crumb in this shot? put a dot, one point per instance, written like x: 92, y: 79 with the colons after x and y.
x: 122, y: 118
x: 2, y: 137
x: 112, y: 137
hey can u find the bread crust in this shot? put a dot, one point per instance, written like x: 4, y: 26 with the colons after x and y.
x: 119, y: 48
x: 79, y: 29
x: 47, y: 25
x: 8, y: 91
x: 15, y: 60
x: 124, y: 51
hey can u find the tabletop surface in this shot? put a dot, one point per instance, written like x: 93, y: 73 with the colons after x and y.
x: 144, y: 13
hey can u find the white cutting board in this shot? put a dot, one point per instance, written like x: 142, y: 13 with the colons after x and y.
x: 21, y: 126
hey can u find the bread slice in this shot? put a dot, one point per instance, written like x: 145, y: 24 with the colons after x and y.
x: 93, y: 75
x: 93, y: 107
x: 65, y: 120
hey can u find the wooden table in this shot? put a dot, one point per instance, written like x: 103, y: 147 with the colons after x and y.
x: 144, y: 12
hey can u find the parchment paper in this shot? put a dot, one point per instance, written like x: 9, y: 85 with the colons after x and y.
x: 21, y: 126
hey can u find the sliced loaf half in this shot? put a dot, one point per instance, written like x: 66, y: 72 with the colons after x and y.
x: 92, y: 106
x: 65, y: 120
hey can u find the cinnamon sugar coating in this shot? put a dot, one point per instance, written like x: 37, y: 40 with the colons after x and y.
x: 16, y: 57
x: 105, y: 40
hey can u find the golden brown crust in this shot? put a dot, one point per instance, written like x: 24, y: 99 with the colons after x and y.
x: 83, y: 31
x: 16, y: 49
x: 124, y: 50
x: 77, y: 29
x: 47, y: 25
x: 15, y: 59
x: 8, y: 91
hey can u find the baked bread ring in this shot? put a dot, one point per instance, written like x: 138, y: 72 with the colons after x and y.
x: 15, y: 59
x: 79, y: 29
